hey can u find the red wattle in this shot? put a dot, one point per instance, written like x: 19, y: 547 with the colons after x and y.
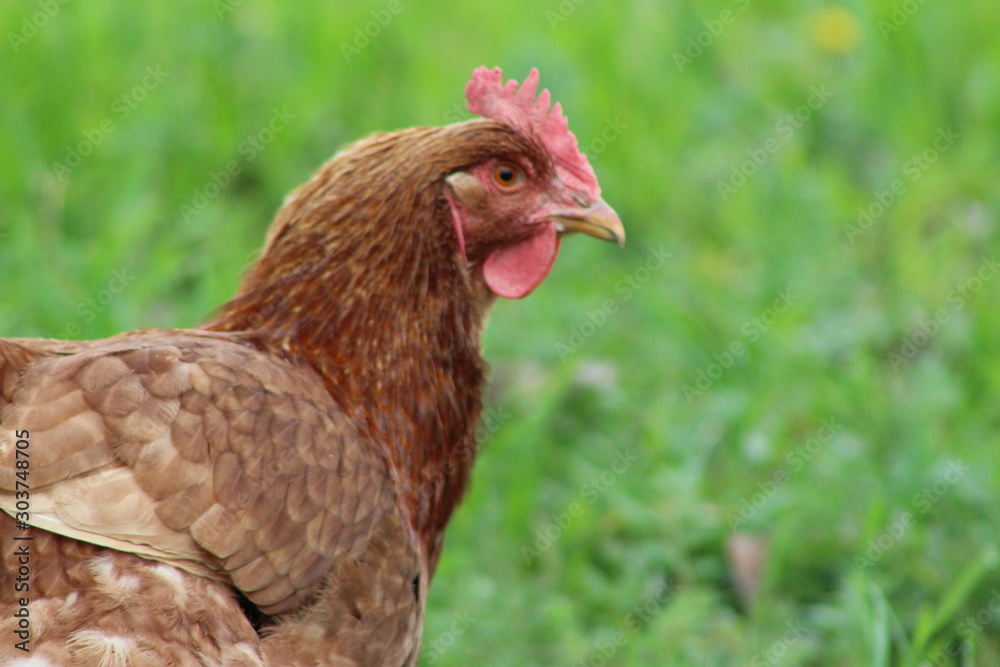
x: 515, y: 271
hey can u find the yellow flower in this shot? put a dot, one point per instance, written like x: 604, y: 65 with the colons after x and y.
x: 835, y: 29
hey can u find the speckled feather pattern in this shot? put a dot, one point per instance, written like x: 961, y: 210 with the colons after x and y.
x: 232, y: 468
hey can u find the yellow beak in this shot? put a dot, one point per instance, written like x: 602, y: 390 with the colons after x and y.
x: 598, y: 220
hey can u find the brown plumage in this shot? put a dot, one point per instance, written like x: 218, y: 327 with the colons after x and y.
x: 273, y: 488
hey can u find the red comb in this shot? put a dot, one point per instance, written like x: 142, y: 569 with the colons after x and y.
x: 490, y: 98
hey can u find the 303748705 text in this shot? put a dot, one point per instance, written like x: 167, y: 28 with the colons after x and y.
x: 22, y: 542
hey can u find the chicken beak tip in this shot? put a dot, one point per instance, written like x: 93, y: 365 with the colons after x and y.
x: 598, y: 220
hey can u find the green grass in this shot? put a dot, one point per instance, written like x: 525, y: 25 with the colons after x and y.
x: 637, y: 574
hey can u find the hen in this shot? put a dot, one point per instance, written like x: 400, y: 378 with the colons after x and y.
x: 273, y: 487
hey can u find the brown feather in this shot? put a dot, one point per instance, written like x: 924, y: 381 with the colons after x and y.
x: 400, y: 351
x: 306, y: 447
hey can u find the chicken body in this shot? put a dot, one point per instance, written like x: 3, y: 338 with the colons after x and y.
x: 231, y: 467
x: 273, y: 487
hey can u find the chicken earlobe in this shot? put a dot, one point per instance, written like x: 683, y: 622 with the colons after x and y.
x: 456, y: 191
x: 512, y: 271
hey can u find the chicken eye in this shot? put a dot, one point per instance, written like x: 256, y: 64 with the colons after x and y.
x: 507, y: 175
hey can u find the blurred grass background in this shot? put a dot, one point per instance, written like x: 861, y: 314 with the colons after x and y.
x: 860, y: 545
